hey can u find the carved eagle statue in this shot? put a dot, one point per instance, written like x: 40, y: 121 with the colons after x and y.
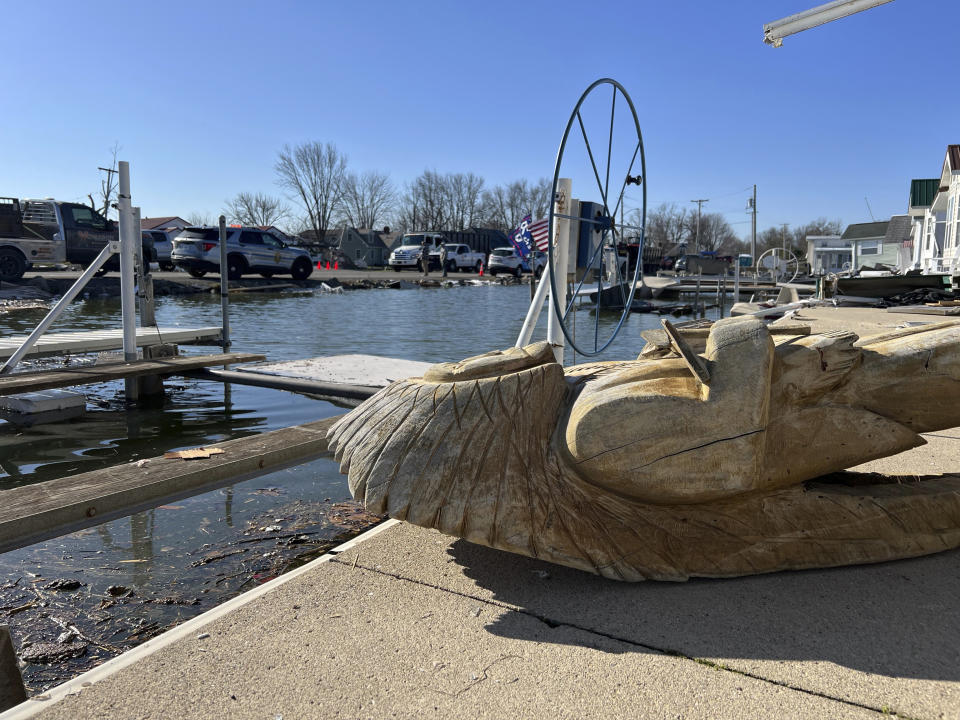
x: 655, y: 469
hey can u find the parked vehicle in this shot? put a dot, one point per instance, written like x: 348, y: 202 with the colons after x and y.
x: 163, y: 244
x: 460, y: 257
x: 49, y: 232
x: 535, y: 263
x: 407, y: 255
x: 505, y: 260
x: 249, y: 250
x: 703, y: 264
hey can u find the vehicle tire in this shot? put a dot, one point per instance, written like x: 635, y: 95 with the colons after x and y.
x: 196, y: 273
x: 517, y: 271
x: 396, y: 268
x: 12, y: 264
x: 451, y: 266
x: 236, y: 267
x: 267, y: 274
x: 301, y: 269
x: 167, y: 266
x: 538, y: 273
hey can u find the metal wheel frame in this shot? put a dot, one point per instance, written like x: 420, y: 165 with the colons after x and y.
x: 788, y: 258
x: 609, y: 228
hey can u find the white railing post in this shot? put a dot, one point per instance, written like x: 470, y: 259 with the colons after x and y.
x: 128, y: 250
x: 561, y: 240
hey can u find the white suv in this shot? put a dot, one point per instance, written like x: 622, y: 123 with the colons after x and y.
x: 505, y: 260
x: 197, y: 250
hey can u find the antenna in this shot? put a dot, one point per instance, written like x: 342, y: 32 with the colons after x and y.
x: 869, y: 210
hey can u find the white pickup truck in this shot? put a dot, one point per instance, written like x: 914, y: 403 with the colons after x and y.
x: 459, y: 257
x: 407, y: 255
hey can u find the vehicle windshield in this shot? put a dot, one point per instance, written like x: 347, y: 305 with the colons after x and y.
x: 412, y: 240
x: 452, y: 248
x: 207, y: 234
x: 503, y: 252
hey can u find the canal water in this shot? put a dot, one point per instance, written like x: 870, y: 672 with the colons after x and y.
x: 78, y: 600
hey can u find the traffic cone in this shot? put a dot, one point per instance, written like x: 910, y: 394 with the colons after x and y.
x: 328, y: 264
x: 336, y: 264
x: 319, y: 264
x: 480, y: 274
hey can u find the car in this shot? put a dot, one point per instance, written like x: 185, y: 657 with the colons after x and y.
x: 505, y: 260
x: 249, y: 250
x: 163, y: 244
x: 535, y: 262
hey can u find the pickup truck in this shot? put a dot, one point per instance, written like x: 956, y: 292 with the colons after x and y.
x: 407, y: 255
x: 50, y: 231
x: 459, y: 257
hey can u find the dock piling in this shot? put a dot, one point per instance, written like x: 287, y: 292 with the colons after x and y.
x: 12, y: 690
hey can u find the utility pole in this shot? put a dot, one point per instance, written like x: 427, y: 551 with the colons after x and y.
x: 699, y: 203
x: 752, y: 208
x: 783, y: 237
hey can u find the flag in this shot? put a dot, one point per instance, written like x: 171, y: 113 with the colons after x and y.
x: 539, y: 232
x: 521, y: 238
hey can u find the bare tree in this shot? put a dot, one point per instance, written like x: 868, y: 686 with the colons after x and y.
x: 666, y: 225
x: 313, y: 174
x: 108, y: 185
x: 506, y: 205
x: 256, y: 209
x: 199, y: 218
x: 464, y: 198
x: 367, y: 199
x: 425, y: 204
x: 716, y: 235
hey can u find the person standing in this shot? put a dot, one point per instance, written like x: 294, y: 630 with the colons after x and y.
x: 443, y: 261
x: 425, y: 257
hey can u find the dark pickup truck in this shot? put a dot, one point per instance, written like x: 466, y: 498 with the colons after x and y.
x: 50, y: 231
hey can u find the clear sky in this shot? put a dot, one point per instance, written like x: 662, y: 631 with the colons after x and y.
x: 201, y: 95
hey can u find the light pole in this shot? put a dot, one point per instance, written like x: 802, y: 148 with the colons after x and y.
x: 699, y: 203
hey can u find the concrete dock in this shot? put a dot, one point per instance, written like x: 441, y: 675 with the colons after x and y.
x: 405, y: 622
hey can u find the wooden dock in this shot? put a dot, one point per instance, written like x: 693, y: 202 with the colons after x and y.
x: 101, y: 340
x: 41, y: 511
x: 90, y: 374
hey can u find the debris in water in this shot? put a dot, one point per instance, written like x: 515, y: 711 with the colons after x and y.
x: 63, y: 585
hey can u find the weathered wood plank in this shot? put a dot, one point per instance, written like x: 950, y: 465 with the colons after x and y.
x: 67, y: 377
x: 50, y: 509
x: 100, y: 340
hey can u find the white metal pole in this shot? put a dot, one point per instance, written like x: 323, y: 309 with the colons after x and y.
x: 533, y: 314
x: 128, y: 237
x: 561, y: 240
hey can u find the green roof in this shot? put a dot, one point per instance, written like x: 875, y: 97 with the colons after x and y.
x: 922, y: 192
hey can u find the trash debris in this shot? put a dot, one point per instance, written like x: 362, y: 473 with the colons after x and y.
x: 203, y: 636
x: 63, y: 585
x: 120, y: 591
x: 142, y: 463
x: 193, y: 453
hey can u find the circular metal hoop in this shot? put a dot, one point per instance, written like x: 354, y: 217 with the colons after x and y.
x: 620, y: 290
x: 779, y: 263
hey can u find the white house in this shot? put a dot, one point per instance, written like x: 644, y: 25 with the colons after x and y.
x: 940, y: 231
x: 948, y: 202
x: 828, y: 254
x: 926, y: 251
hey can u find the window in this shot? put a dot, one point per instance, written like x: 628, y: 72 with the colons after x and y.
x: 871, y: 247
x: 271, y: 241
x: 249, y: 237
x: 87, y: 217
x: 359, y: 253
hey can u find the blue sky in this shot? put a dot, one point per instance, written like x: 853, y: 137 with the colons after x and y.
x: 201, y: 95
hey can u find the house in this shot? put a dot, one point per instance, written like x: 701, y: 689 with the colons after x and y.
x: 927, y: 249
x: 943, y: 216
x: 866, y: 243
x: 171, y: 222
x: 828, y: 254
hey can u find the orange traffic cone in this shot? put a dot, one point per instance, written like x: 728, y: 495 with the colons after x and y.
x: 319, y: 264
x: 336, y: 264
x: 328, y: 264
x: 481, y: 270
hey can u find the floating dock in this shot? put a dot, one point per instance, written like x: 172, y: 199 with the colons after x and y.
x: 73, y: 343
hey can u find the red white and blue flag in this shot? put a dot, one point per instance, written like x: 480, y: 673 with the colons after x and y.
x: 530, y: 236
